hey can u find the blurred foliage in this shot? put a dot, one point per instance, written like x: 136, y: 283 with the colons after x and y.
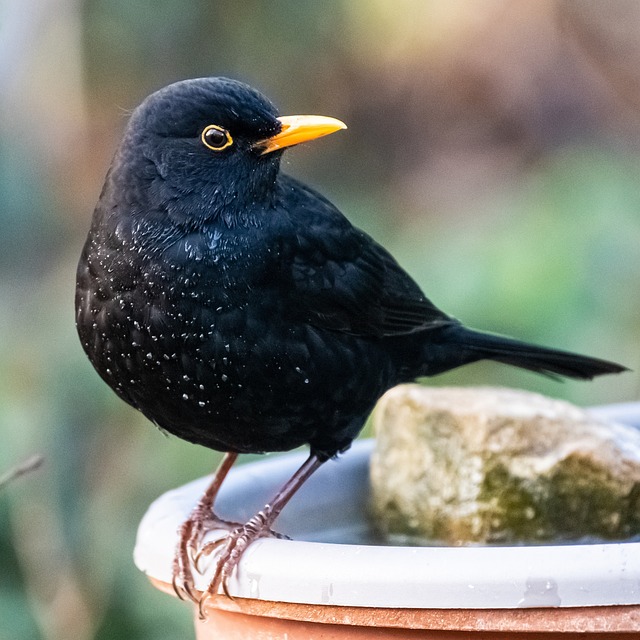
x: 493, y: 147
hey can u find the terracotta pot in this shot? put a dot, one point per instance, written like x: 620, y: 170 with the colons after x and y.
x: 332, y: 581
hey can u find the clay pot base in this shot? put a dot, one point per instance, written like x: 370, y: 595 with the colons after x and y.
x: 249, y: 619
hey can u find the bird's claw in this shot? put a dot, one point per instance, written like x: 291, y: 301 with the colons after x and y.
x: 185, y: 590
x: 205, y: 551
x: 182, y: 578
x: 231, y: 548
x: 189, y: 553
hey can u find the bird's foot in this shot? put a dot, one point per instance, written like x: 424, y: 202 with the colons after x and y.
x: 190, y: 550
x: 193, y: 530
x: 230, y: 549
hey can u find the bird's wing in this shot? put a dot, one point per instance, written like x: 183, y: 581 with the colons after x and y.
x: 343, y: 280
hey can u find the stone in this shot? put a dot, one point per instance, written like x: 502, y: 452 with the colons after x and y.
x: 500, y: 466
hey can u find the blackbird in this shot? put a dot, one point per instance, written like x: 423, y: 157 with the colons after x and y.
x: 237, y: 308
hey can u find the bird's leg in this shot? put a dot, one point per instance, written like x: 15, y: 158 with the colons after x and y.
x: 236, y: 542
x: 201, y: 520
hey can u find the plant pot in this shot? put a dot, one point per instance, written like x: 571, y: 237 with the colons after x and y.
x: 333, y: 581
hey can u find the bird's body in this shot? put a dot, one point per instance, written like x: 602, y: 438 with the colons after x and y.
x: 208, y: 337
x: 211, y: 334
x: 239, y: 309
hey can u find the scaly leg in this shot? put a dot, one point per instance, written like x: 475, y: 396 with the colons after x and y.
x: 236, y: 542
x: 201, y: 520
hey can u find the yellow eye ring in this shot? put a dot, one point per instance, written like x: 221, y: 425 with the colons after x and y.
x: 216, y: 138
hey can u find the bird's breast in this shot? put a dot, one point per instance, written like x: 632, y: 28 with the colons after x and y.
x: 201, y: 338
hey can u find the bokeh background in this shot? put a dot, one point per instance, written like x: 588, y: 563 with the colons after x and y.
x: 493, y: 146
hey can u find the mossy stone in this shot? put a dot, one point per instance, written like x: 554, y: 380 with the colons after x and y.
x: 500, y: 466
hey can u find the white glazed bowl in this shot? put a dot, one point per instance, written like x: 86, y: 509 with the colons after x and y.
x: 327, y: 564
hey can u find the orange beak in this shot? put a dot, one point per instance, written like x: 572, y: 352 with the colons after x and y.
x: 297, y: 129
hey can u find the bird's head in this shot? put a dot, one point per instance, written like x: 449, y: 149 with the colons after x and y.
x: 215, y: 138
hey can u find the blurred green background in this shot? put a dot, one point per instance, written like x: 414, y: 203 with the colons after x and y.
x: 494, y: 147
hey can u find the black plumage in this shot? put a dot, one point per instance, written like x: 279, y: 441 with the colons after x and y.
x: 238, y: 308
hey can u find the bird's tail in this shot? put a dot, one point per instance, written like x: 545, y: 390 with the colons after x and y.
x: 472, y: 346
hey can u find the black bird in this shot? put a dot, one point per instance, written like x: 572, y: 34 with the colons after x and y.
x: 237, y: 308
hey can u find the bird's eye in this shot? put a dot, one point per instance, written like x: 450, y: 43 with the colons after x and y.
x: 216, y: 138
